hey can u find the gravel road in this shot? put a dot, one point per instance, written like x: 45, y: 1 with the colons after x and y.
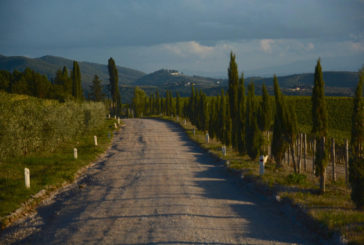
x: 155, y: 186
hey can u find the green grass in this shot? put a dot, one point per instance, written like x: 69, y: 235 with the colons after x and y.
x: 334, y: 209
x: 48, y: 169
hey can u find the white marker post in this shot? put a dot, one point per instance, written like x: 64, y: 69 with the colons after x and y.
x: 27, y: 177
x: 75, y: 155
x: 109, y: 116
x: 118, y: 120
x: 262, y: 160
x: 116, y: 126
x: 95, y: 139
x: 223, y: 149
x: 207, y: 138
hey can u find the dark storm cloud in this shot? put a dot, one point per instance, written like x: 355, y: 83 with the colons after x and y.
x: 159, y: 33
x: 109, y: 23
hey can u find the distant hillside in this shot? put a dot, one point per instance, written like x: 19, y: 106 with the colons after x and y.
x: 341, y: 79
x: 168, y: 78
x: 48, y: 65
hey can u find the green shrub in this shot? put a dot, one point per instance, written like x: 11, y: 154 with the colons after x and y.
x: 296, y: 178
x: 28, y: 124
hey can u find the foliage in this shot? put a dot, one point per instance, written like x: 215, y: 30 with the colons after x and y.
x: 296, y: 178
x: 114, y: 87
x: 29, y: 124
x: 96, y: 93
x: 252, y: 133
x: 319, y: 125
x: 233, y: 77
x: 265, y: 112
x: 356, y: 162
x: 279, y: 141
x: 76, y: 82
x: 242, y: 117
x: 139, y: 101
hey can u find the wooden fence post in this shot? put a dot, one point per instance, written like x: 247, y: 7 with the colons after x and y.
x: 305, y: 152
x: 313, y: 156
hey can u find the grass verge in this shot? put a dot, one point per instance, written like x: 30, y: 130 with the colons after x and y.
x: 48, y: 170
x: 334, y: 211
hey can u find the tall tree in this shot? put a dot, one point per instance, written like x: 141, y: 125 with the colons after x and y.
x: 279, y: 144
x: 76, y: 82
x: 139, y: 102
x: 96, y: 93
x: 265, y: 114
x: 319, y: 125
x: 241, y: 115
x: 114, y: 87
x: 233, y: 77
x: 253, y: 134
x: 356, y: 162
x: 178, y: 105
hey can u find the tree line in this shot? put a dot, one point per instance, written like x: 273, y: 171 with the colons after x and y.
x: 238, y: 118
x: 66, y: 85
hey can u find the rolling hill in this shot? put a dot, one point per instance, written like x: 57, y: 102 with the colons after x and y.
x: 338, y: 83
x: 48, y: 65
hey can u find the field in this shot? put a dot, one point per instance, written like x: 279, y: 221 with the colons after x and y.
x: 40, y: 135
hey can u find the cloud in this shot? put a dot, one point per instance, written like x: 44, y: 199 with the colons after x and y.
x: 266, y: 45
x: 357, y: 46
x: 310, y: 46
x: 184, y: 49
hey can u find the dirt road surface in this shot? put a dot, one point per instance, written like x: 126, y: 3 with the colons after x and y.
x: 155, y: 186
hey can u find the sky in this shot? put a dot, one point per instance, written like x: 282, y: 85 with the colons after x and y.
x: 193, y: 36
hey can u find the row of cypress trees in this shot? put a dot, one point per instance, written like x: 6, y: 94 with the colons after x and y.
x: 241, y: 120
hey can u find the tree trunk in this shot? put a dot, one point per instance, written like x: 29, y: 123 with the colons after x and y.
x: 305, y: 152
x: 323, y: 181
x: 293, y: 157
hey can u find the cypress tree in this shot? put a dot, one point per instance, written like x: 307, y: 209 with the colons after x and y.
x: 241, y: 114
x: 356, y: 161
x: 76, y: 82
x: 266, y: 111
x: 204, y: 113
x: 265, y: 114
x: 114, y: 87
x: 228, y: 124
x: 253, y: 134
x: 157, y: 102
x: 279, y: 143
x: 233, y: 76
x: 319, y: 125
x: 96, y: 93
x: 222, y: 117
x: 212, y: 118
x: 191, y: 105
x: 178, y: 105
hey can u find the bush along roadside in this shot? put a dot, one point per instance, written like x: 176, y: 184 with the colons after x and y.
x: 50, y: 166
x: 333, y: 214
